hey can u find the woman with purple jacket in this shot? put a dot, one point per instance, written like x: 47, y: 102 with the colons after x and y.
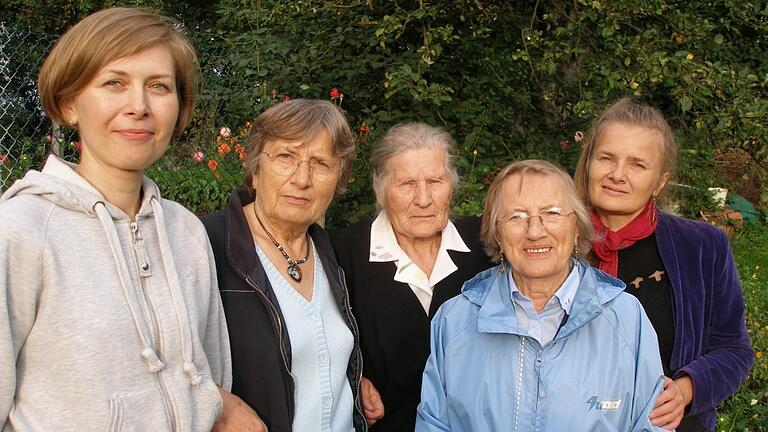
x: 682, y: 271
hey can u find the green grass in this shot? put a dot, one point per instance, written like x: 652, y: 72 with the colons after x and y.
x: 747, y: 410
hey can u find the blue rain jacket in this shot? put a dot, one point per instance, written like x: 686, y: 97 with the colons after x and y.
x: 602, y: 372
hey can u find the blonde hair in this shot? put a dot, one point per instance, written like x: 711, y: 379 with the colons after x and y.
x: 540, y: 168
x: 631, y: 112
x: 404, y: 137
x: 301, y: 119
x: 108, y: 35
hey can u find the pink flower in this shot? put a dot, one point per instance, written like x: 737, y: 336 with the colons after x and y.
x: 335, y: 93
x: 198, y: 156
x: 49, y: 137
x: 225, y: 132
x: 3, y: 159
x: 564, y: 145
x: 78, y: 145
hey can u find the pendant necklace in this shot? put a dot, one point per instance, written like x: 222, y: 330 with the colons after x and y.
x: 293, y: 270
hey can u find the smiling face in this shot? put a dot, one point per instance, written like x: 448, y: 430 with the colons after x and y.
x: 625, y: 172
x: 417, y: 195
x: 538, y: 254
x: 293, y: 202
x: 126, y: 115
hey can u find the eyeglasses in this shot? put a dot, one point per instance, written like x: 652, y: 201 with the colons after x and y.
x: 551, y: 218
x: 320, y: 169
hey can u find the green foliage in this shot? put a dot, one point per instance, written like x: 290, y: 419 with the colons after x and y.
x: 507, y: 81
x: 747, y: 410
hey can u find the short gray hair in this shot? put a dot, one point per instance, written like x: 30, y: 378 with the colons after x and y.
x: 300, y: 119
x: 541, y: 168
x: 404, y: 137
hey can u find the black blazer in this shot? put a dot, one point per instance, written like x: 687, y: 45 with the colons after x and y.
x: 261, y: 349
x: 394, y: 330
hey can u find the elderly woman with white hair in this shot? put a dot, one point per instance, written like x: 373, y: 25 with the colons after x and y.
x: 402, y: 265
x: 543, y: 341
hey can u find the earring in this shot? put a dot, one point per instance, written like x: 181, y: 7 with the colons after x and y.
x: 501, y: 263
x: 576, y: 253
x: 653, y: 210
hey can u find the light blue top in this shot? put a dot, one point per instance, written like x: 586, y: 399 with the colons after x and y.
x: 543, y: 325
x: 321, y: 344
x: 601, y: 372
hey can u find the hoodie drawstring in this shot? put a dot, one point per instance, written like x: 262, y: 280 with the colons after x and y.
x: 172, y: 276
x: 147, y: 353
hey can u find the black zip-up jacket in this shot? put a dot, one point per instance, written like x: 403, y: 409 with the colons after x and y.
x: 261, y: 349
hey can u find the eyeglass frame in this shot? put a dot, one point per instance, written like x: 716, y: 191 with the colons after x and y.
x: 335, y: 171
x: 526, y: 223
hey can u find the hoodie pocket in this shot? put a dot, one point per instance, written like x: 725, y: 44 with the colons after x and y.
x: 196, y: 407
x: 116, y: 414
x: 138, y: 411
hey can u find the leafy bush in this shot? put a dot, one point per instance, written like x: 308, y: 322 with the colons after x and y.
x: 509, y: 81
x: 747, y: 410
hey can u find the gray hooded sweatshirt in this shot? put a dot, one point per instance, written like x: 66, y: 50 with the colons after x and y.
x: 105, y: 324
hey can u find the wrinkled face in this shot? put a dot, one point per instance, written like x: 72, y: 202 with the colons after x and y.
x: 126, y: 115
x: 539, y: 249
x: 297, y: 197
x: 417, y: 196
x: 625, y: 171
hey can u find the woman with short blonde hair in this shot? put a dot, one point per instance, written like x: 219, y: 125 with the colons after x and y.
x: 108, y: 303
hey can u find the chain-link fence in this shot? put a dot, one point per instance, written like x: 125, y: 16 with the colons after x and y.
x: 25, y: 131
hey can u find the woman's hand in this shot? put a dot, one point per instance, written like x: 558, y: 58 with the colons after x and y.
x: 236, y: 416
x: 670, y: 406
x: 373, y: 407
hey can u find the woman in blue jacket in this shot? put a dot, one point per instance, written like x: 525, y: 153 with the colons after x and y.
x: 542, y: 342
x: 682, y: 271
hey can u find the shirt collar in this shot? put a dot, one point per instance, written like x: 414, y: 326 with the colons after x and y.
x: 564, y: 295
x: 384, y: 246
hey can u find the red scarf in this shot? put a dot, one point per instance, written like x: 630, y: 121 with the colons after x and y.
x: 609, y: 243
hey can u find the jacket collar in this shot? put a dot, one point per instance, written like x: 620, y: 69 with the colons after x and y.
x: 241, y: 252
x: 490, y: 290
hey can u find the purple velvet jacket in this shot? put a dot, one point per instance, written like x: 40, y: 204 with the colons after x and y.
x: 711, y: 341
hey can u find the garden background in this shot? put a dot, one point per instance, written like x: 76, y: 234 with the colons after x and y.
x: 508, y: 79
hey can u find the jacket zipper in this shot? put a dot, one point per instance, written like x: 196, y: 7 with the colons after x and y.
x: 519, y: 390
x: 144, y: 271
x: 278, y: 324
x: 358, y: 353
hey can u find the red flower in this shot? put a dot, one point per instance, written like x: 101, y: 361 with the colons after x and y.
x: 335, y: 93
x: 224, y: 149
x: 286, y: 98
x: 564, y: 145
x: 240, y: 150
x: 212, y: 164
x: 364, y: 129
